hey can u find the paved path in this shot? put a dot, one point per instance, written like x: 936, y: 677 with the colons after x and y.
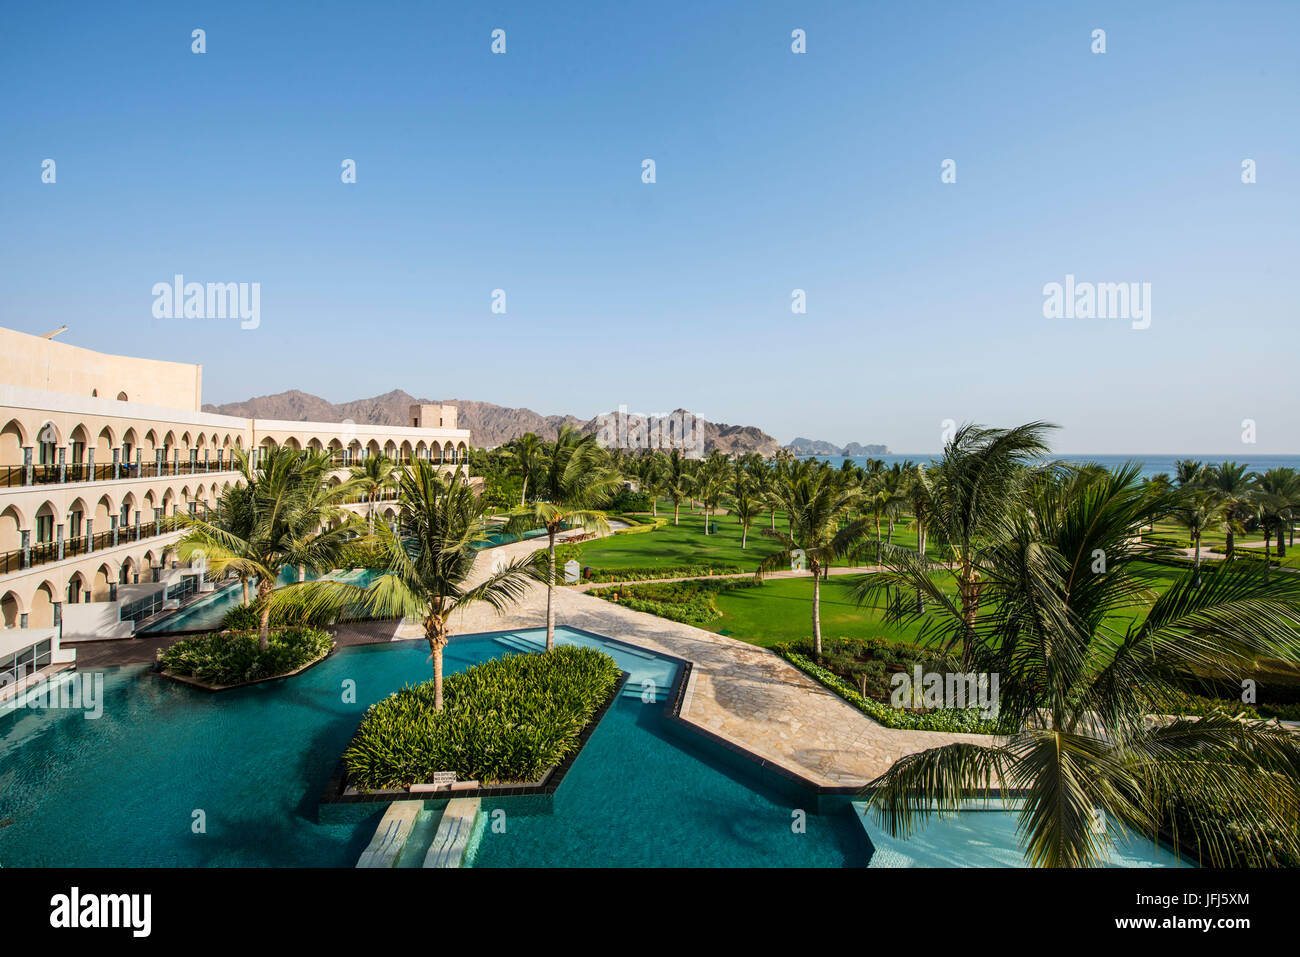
x: 739, y: 691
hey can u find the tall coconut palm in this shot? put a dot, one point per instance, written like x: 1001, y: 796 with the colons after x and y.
x: 743, y: 501
x: 570, y: 490
x: 977, y: 489
x: 526, y: 454
x: 1275, y: 495
x: 373, y: 476
x: 677, y: 481
x: 709, y: 482
x: 294, y: 519
x: 426, y: 567
x: 1233, y: 487
x: 1196, y: 511
x: 816, y: 505
x: 1080, y: 676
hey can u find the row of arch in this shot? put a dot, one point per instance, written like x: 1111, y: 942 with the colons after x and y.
x: 47, y: 435
x: 32, y: 604
x: 356, y: 450
x: 101, y: 509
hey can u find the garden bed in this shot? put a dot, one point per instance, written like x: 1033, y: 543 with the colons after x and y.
x: 690, y: 602
x: 225, y: 660
x: 509, y: 723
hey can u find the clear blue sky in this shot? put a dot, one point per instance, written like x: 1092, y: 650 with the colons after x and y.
x: 775, y: 171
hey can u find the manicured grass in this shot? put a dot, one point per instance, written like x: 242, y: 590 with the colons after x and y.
x: 686, y: 543
x: 781, y: 610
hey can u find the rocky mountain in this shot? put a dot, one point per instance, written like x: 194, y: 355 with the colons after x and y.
x: 803, y: 446
x: 854, y: 449
x: 491, y: 425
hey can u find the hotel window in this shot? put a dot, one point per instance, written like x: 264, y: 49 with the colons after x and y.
x: 48, y: 454
x: 79, y: 451
x: 44, y: 529
x: 74, y: 524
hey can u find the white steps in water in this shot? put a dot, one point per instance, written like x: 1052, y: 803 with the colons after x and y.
x: 391, y: 834
x: 454, y: 832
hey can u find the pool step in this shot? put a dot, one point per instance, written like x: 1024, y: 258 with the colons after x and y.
x: 520, y: 644
x: 391, y: 834
x: 447, y: 849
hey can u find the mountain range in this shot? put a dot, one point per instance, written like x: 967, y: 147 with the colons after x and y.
x: 491, y: 425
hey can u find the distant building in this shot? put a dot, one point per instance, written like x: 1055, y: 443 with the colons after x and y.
x: 95, y: 450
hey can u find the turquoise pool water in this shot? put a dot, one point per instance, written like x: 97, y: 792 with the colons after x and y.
x: 130, y: 788
x: 984, y: 835
x: 125, y: 789
x: 206, y: 613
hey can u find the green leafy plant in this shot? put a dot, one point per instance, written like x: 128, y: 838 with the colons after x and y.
x: 237, y: 657
x: 508, y: 719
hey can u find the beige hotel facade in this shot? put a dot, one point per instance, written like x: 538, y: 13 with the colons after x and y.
x: 95, y: 450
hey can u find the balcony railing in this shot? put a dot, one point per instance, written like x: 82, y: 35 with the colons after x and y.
x: 13, y: 476
x: 43, y: 553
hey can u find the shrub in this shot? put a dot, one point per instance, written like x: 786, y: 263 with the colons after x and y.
x: 625, y: 500
x: 662, y: 571
x: 966, y: 720
x: 690, y: 602
x: 235, y: 657
x: 508, y: 719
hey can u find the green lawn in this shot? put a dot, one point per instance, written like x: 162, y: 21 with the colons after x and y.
x: 686, y: 544
x: 781, y: 610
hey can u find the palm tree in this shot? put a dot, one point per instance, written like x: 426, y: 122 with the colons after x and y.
x: 427, y: 564
x: 526, y: 453
x: 373, y: 476
x: 677, y: 480
x: 293, y: 519
x: 744, y: 502
x: 1233, y: 488
x: 978, y: 487
x: 1188, y: 472
x: 708, y: 482
x: 919, y: 496
x: 1276, y: 492
x: 1196, y: 510
x: 1079, y: 676
x: 816, y: 505
x: 570, y: 490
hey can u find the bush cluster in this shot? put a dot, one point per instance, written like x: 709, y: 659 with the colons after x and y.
x: 508, y: 719
x: 231, y: 658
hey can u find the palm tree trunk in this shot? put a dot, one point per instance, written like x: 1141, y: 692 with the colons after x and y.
x: 677, y: 510
x: 744, y: 536
x: 550, y: 592
x: 773, y: 526
x: 523, y: 492
x: 435, y: 647
x: 817, y: 613
x: 264, y: 590
x: 1227, y: 549
x: 244, y: 583
x: 1197, y: 576
x: 1281, y: 541
x: 1268, y: 537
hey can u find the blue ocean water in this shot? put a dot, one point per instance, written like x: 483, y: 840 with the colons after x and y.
x: 1151, y: 464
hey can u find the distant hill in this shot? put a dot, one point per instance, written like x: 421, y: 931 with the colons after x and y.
x: 803, y: 446
x: 490, y: 425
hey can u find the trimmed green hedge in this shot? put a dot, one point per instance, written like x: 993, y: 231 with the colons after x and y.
x: 507, y: 719
x: 231, y: 658
x: 690, y: 602
x: 663, y: 571
x: 966, y: 720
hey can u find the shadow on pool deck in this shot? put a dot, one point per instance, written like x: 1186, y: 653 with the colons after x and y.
x: 120, y: 652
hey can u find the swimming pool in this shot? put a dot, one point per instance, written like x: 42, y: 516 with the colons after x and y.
x: 983, y: 834
x: 207, y: 613
x: 173, y: 776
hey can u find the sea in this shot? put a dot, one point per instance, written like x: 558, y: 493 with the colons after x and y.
x: 1151, y: 464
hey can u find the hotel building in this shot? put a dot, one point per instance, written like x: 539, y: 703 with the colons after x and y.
x: 95, y: 450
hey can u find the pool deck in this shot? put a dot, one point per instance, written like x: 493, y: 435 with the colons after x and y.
x: 740, y: 692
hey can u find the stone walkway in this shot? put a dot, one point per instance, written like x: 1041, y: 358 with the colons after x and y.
x: 740, y: 692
